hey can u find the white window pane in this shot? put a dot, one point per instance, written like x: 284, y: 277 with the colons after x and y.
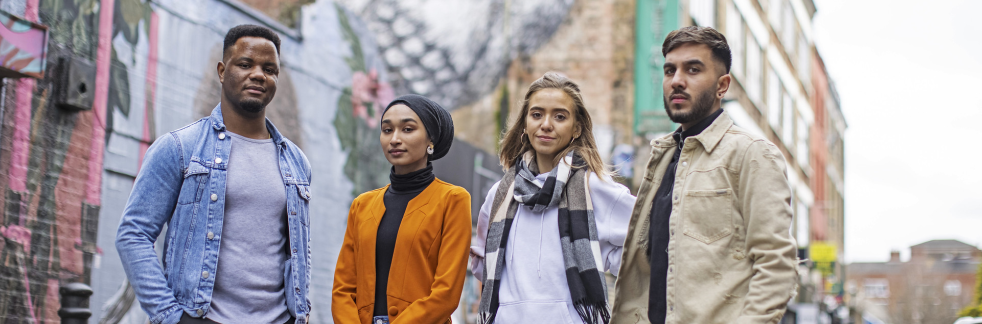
x: 735, y: 36
x: 703, y: 12
x: 787, y: 122
x: 773, y: 100
x: 802, y: 218
x: 754, y: 70
x: 803, y: 131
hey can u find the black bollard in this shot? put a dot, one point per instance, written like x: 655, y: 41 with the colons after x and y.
x: 75, y: 303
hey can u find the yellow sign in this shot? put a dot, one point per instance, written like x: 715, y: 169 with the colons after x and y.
x: 821, y: 252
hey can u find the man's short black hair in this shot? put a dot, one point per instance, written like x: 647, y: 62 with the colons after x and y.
x: 700, y: 35
x: 240, y: 31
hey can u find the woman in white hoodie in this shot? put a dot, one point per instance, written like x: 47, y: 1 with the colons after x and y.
x: 555, y: 222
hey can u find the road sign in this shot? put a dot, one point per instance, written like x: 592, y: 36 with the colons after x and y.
x: 822, y: 252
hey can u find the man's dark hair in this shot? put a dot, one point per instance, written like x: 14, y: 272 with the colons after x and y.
x: 240, y: 31
x: 700, y: 35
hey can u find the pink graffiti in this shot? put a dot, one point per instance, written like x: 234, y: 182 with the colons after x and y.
x: 21, y: 141
x: 366, y: 89
x: 31, y: 10
x: 93, y: 186
x: 30, y: 41
x: 18, y: 234
x: 22, y: 122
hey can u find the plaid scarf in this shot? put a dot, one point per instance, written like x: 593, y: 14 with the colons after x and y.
x: 566, y: 187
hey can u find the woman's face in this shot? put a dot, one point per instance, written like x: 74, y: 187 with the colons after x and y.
x: 404, y: 139
x: 550, y: 123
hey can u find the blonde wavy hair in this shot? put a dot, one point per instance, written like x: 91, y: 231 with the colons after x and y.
x: 514, y: 145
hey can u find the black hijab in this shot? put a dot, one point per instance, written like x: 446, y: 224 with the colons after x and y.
x: 436, y: 120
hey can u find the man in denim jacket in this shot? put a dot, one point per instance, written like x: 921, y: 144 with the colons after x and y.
x: 227, y: 185
x: 709, y: 238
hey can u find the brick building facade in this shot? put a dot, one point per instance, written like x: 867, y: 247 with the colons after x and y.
x: 931, y: 287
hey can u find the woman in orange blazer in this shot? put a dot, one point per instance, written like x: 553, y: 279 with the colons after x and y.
x: 405, y: 250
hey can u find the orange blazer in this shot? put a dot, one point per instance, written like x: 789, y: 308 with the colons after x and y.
x: 428, y: 265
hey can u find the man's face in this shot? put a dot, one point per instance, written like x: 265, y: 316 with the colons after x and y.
x: 248, y: 74
x: 692, y: 84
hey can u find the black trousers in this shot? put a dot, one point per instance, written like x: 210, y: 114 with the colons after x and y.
x: 185, y: 319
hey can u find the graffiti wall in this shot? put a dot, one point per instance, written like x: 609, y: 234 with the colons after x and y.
x: 68, y: 173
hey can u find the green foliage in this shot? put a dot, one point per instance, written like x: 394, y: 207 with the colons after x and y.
x: 975, y: 310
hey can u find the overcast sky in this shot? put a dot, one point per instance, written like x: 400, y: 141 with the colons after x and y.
x: 908, y: 75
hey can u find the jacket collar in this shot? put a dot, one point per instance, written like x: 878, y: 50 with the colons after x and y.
x: 709, y: 138
x: 712, y: 135
x: 218, y: 123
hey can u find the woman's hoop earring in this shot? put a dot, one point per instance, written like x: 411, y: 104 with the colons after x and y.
x: 429, y: 150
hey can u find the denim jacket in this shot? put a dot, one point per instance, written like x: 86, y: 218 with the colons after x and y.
x: 182, y: 184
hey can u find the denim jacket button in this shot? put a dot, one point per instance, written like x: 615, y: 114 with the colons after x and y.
x: 218, y: 160
x: 199, y: 312
x: 211, y: 235
x: 204, y: 274
x: 214, y: 197
x: 221, y: 136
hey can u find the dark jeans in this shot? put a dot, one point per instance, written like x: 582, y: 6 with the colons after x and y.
x: 186, y: 319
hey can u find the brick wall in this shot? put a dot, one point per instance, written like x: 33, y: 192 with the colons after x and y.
x: 50, y: 204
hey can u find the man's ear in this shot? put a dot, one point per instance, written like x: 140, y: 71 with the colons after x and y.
x: 722, y: 85
x: 221, y: 72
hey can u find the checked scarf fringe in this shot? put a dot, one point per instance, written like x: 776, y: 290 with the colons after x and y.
x: 565, y: 187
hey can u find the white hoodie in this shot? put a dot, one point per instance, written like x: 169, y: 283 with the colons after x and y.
x: 533, y: 281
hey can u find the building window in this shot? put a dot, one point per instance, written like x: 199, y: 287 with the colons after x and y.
x: 774, y: 10
x: 953, y: 288
x: 788, y: 32
x: 803, y: 136
x: 774, y: 100
x: 754, y: 70
x: 802, y: 219
x: 735, y: 35
x: 804, y: 55
x: 703, y: 12
x: 787, y: 120
x: 876, y: 288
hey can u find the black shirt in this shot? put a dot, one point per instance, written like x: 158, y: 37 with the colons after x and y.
x: 661, y: 209
x: 403, y: 188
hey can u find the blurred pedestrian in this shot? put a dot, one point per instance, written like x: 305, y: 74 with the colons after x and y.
x: 556, y: 221
x: 231, y: 185
x: 404, y: 254
x: 709, y: 240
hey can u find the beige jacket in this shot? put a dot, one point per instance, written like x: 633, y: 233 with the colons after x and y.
x: 731, y: 255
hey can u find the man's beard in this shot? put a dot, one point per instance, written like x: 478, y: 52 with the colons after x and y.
x: 701, y: 107
x: 252, y: 105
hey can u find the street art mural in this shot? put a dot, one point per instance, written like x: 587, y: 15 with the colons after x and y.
x: 49, y: 207
x: 456, y: 51
x: 22, y: 46
x: 67, y: 174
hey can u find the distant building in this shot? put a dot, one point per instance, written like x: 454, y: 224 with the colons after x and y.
x: 931, y: 287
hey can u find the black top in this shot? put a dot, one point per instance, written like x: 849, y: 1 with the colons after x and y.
x: 403, y: 188
x: 661, y: 209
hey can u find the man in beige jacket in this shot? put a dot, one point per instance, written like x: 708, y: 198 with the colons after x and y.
x: 709, y: 240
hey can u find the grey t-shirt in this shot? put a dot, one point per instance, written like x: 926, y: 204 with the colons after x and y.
x: 249, y: 282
